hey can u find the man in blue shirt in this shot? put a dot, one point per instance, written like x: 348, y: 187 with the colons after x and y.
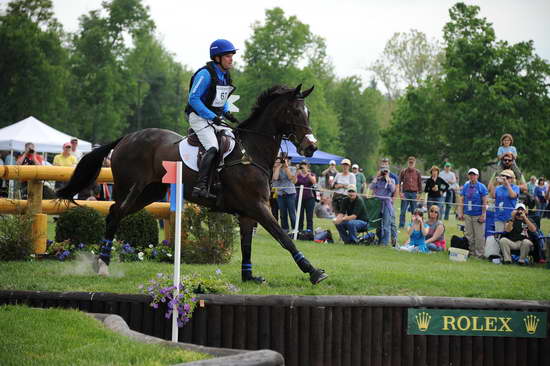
x: 472, y: 208
x: 210, y: 88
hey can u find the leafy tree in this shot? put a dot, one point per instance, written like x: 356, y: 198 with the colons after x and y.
x: 488, y: 88
x: 407, y: 60
x: 105, y: 89
x: 357, y: 113
x: 33, y: 64
x: 160, y: 84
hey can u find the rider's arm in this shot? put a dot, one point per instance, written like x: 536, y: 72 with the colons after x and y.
x: 200, y: 86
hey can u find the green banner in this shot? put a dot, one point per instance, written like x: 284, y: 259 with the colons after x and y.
x: 488, y: 323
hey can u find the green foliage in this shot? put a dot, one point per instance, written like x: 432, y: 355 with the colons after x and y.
x: 207, y: 237
x: 34, y: 64
x: 488, y: 88
x: 407, y: 60
x: 80, y: 225
x: 139, y: 230
x: 15, y: 237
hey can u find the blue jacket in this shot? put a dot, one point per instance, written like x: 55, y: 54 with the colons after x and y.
x: 202, y: 92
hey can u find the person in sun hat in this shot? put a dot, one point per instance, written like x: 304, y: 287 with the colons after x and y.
x: 472, y: 209
x: 353, y: 217
x: 341, y: 181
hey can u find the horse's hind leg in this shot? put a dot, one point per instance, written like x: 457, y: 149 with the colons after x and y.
x: 246, y: 226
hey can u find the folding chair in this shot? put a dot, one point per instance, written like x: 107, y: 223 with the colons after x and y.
x: 374, y: 218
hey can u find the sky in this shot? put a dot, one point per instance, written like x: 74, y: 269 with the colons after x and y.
x: 355, y: 31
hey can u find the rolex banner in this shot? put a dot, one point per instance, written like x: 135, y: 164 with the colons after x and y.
x: 489, y: 323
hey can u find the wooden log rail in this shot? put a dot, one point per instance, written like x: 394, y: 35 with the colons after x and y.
x: 35, y: 175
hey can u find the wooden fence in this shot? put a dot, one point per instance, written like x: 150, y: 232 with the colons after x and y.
x: 39, y: 208
x: 318, y: 330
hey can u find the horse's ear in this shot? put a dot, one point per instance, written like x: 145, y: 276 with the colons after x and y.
x: 297, y: 91
x: 307, y: 92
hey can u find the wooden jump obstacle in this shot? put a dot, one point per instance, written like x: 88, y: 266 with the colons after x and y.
x: 35, y: 175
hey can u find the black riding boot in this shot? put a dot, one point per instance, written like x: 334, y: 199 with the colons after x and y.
x: 201, y: 189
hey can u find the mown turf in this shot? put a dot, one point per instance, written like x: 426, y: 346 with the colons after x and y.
x: 69, y: 337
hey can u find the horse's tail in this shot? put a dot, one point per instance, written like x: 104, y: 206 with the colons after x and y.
x: 86, y: 171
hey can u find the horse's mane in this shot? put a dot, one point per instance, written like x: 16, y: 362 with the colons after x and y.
x: 263, y: 101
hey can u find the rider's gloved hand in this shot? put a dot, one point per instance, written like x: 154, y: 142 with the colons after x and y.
x: 218, y: 120
x: 230, y: 117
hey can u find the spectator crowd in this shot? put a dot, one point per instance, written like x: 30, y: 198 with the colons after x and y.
x: 500, y: 219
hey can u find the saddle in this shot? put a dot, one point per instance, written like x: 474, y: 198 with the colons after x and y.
x: 224, y: 143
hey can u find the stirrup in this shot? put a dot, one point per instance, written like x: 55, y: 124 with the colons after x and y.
x: 202, y: 192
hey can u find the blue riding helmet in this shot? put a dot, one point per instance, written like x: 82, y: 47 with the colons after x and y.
x: 221, y: 47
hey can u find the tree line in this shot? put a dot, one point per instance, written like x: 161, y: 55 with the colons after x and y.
x: 449, y: 100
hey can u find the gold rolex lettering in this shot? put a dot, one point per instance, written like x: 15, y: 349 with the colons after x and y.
x: 448, y: 321
x: 490, y: 323
x: 504, y: 324
x: 463, y: 323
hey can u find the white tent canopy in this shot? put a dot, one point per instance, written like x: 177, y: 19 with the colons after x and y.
x: 44, y: 137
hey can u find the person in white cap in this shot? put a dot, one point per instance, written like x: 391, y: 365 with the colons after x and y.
x: 506, y: 196
x: 360, y: 180
x: 353, y: 218
x: 472, y: 208
x: 514, y: 238
x: 340, y: 184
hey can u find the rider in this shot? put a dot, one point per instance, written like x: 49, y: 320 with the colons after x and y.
x: 209, y: 89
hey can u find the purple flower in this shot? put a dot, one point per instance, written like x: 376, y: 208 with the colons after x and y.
x: 186, y: 307
x: 155, y: 305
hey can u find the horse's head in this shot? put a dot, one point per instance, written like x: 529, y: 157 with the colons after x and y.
x: 296, y: 126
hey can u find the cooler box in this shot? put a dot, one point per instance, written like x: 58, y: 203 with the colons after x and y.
x: 458, y: 255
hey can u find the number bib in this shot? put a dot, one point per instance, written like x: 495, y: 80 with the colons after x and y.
x: 222, y: 93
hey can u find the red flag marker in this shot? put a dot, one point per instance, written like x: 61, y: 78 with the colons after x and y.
x: 170, y: 176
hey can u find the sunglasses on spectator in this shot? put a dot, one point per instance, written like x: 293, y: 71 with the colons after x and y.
x: 433, y: 210
x: 507, y: 160
x: 67, y: 147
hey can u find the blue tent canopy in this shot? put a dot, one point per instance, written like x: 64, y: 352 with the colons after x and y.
x: 319, y: 157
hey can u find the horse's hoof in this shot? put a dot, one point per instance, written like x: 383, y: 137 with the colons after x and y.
x: 102, y: 268
x: 317, y: 276
x: 258, y: 279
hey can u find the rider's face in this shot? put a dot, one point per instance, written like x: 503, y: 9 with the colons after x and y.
x: 226, y: 61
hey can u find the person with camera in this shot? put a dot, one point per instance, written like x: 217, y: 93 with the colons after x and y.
x: 507, y: 163
x: 284, y: 178
x: 383, y: 187
x: 353, y: 217
x: 307, y: 179
x: 417, y: 231
x: 506, y: 196
x: 30, y: 157
x: 472, y: 209
x: 516, y: 236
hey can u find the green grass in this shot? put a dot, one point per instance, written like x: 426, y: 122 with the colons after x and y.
x: 353, y: 270
x: 69, y: 337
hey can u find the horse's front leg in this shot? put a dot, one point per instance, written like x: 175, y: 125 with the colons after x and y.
x: 246, y: 225
x: 266, y: 219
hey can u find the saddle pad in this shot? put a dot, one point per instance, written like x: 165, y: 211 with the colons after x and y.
x: 189, y: 154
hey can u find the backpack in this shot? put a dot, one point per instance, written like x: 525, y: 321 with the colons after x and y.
x: 305, y: 235
x: 460, y: 243
x: 323, y: 236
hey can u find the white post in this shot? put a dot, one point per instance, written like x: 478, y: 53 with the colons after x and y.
x: 298, y: 210
x: 177, y: 246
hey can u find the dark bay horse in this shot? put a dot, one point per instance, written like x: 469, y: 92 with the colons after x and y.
x: 136, y: 163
